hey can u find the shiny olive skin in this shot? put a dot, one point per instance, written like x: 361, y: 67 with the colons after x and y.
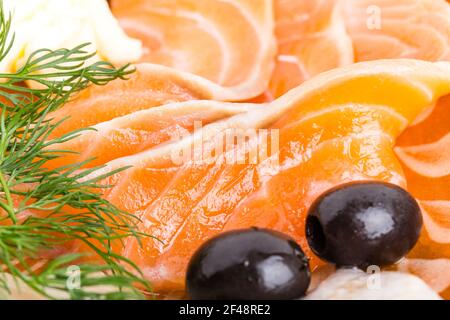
x: 363, y: 223
x: 249, y: 264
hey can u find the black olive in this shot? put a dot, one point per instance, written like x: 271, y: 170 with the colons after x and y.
x: 250, y: 264
x: 363, y: 223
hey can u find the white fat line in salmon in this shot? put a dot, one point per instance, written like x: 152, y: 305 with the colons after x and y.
x: 239, y: 146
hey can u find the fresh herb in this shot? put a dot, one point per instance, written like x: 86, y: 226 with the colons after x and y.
x: 43, y: 209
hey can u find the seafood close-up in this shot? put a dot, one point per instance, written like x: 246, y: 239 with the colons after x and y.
x: 225, y: 149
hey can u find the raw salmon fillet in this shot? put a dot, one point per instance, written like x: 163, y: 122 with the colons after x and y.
x: 149, y: 86
x: 316, y: 36
x: 230, y: 43
x: 340, y: 126
x: 198, y: 166
x: 312, y: 38
x: 380, y: 29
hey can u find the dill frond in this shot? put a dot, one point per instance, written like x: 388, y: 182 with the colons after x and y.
x: 66, y: 204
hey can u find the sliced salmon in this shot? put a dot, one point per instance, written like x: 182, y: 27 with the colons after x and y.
x: 311, y: 36
x: 315, y: 36
x: 340, y: 126
x: 140, y: 131
x: 433, y: 271
x: 311, y: 39
x: 381, y: 29
x: 431, y: 160
x: 150, y: 86
x: 231, y: 43
x: 424, y: 151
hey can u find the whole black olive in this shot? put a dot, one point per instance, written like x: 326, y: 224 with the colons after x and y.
x: 363, y: 223
x: 248, y: 264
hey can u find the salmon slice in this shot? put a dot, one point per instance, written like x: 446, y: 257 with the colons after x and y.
x: 198, y: 37
x: 340, y: 126
x: 431, y: 160
x: 141, y: 130
x: 433, y: 271
x: 381, y: 29
x: 316, y: 36
x: 311, y: 39
x: 424, y: 150
x: 150, y: 86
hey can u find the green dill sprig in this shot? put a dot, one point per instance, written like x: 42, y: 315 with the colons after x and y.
x: 43, y: 209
